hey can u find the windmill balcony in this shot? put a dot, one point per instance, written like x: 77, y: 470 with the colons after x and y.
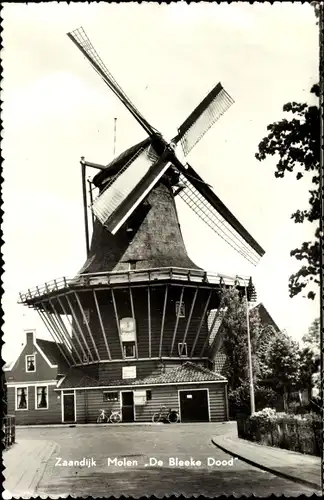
x: 166, y: 314
x: 51, y: 288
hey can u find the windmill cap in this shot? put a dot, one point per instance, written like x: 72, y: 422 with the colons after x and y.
x: 114, y: 166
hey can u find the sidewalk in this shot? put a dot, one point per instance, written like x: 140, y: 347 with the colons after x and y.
x: 24, y: 464
x: 300, y: 468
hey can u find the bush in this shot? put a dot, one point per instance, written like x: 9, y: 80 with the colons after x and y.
x: 239, y: 399
x: 293, y: 432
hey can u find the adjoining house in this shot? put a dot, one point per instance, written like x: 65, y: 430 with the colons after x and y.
x: 220, y: 359
x: 42, y: 389
x: 31, y: 381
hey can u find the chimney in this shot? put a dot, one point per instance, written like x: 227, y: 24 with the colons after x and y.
x: 30, y: 336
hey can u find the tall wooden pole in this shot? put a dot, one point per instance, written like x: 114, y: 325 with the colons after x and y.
x: 115, y: 135
x: 91, y: 201
x: 85, y: 208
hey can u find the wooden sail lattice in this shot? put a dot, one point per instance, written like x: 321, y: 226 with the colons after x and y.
x: 203, y: 117
x: 206, y: 212
x: 81, y: 40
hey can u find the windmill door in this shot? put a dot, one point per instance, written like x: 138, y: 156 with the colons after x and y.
x: 68, y: 407
x: 127, y: 400
x: 194, y: 406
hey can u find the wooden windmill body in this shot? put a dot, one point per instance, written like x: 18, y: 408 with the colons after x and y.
x: 137, y: 317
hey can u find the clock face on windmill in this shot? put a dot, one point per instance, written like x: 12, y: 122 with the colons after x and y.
x: 127, y: 328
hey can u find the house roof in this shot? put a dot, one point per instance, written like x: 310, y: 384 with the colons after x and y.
x: 265, y: 316
x: 52, y: 351
x: 187, y: 372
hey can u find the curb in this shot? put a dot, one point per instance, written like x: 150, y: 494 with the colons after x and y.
x: 304, y: 482
x: 66, y: 426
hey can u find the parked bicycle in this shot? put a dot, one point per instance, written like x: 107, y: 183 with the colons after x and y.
x: 166, y: 415
x: 114, y: 417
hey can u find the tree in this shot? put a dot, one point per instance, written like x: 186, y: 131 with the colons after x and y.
x: 234, y: 333
x: 317, y: 8
x: 312, y: 338
x: 283, y: 365
x: 310, y: 357
x: 297, y: 143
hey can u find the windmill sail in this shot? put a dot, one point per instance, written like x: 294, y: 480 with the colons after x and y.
x: 204, y: 202
x: 203, y: 118
x: 81, y: 40
x: 128, y: 188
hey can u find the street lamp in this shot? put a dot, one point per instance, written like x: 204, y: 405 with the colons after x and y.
x: 250, y: 295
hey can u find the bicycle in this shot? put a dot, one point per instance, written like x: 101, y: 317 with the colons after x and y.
x: 166, y: 415
x: 113, y: 418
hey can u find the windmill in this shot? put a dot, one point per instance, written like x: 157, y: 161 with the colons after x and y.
x: 139, y: 306
x: 124, y: 191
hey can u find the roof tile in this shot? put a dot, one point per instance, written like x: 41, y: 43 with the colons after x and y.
x: 188, y: 372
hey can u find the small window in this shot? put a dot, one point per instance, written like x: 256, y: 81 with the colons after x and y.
x: 182, y: 313
x: 129, y: 349
x: 148, y: 395
x: 110, y: 396
x: 31, y: 363
x: 22, y: 398
x: 182, y: 349
x: 41, y: 397
x: 132, y: 265
x: 86, y: 317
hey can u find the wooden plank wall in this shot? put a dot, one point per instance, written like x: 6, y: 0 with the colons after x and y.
x: 52, y: 415
x: 141, y: 316
x: 113, y: 371
x: 217, y: 402
x: 162, y: 395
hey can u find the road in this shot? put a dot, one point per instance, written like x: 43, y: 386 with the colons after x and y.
x: 143, y: 446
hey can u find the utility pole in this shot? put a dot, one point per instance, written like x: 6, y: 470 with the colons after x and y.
x: 252, y: 399
x: 249, y: 295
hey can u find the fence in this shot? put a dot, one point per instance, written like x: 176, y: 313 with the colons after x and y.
x: 304, y: 436
x: 9, y: 430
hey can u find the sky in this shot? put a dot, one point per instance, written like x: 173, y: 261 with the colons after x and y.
x: 166, y: 58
